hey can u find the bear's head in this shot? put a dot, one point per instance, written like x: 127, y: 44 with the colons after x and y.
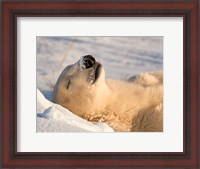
x: 81, y: 87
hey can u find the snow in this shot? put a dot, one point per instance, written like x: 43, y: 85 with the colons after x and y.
x: 121, y: 57
x: 55, y: 118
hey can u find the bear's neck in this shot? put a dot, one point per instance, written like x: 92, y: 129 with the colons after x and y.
x: 102, y: 94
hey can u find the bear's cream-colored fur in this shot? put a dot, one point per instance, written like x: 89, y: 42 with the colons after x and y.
x: 133, y: 105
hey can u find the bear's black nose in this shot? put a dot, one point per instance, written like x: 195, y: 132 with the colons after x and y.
x: 88, y: 61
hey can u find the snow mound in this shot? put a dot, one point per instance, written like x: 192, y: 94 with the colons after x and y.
x: 55, y: 118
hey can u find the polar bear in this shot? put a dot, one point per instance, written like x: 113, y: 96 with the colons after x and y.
x: 132, y: 105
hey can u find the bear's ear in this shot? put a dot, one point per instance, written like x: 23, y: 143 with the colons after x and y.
x: 67, y: 84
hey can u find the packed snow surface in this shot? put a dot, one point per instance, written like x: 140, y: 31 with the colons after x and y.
x: 121, y: 58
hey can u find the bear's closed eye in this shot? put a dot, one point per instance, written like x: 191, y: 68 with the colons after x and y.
x: 67, y: 84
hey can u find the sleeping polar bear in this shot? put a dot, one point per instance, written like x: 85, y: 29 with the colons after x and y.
x: 132, y: 105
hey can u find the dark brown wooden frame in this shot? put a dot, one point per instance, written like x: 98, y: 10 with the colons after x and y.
x: 12, y: 158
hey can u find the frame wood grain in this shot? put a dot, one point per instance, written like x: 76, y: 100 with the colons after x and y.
x: 12, y: 10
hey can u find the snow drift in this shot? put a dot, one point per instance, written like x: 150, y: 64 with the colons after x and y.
x: 55, y: 118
